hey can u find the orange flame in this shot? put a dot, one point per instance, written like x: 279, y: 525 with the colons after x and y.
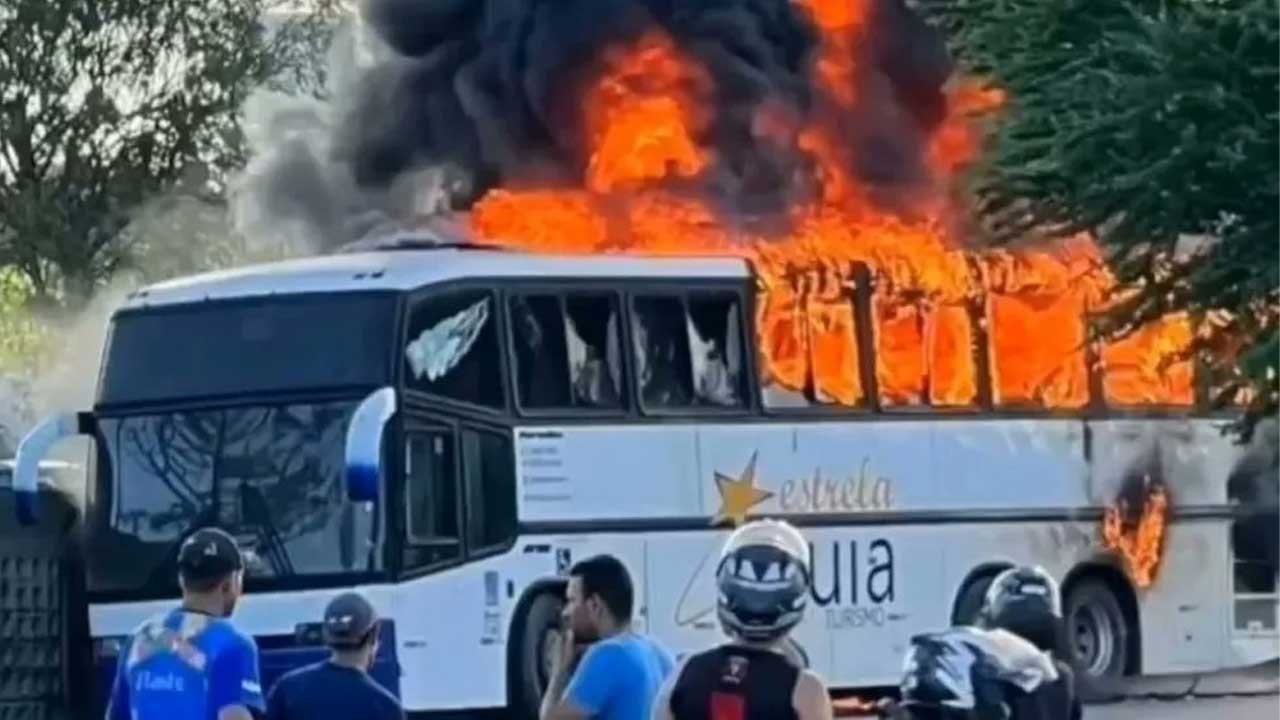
x: 842, y: 23
x: 642, y: 116
x: 1142, y: 543
x: 955, y: 144
x: 1150, y: 366
x: 645, y: 119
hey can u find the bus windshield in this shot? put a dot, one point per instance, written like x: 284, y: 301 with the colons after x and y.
x: 270, y: 474
x: 229, y: 348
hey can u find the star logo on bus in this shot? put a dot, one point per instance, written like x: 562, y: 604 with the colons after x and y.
x: 738, y: 495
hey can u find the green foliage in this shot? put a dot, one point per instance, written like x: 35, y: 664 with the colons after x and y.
x: 23, y: 341
x: 108, y: 104
x: 1147, y: 123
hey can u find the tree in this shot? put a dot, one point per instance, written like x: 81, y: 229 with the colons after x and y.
x: 106, y: 105
x: 1152, y: 124
x: 22, y: 341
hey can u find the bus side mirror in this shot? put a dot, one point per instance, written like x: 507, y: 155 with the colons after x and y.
x: 31, y: 453
x: 364, y: 444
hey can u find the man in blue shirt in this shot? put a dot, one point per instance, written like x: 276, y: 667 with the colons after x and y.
x: 339, y: 687
x: 191, y: 663
x: 621, y: 671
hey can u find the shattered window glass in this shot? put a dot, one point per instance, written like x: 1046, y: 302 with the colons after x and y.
x: 452, y: 349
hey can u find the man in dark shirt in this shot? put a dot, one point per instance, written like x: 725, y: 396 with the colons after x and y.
x: 339, y: 687
x: 1007, y: 668
x: 1026, y: 601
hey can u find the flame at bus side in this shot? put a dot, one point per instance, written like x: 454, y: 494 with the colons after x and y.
x: 1140, y: 542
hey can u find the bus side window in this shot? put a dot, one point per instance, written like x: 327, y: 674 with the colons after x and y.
x: 662, y: 351
x: 716, y: 349
x: 542, y: 364
x: 452, y: 348
x: 491, y: 490
x: 431, y: 499
x: 594, y: 348
x: 567, y: 350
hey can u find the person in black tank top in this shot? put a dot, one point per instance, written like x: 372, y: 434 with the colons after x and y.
x: 763, y: 583
x: 723, y: 683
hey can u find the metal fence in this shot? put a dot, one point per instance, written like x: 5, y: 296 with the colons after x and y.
x: 45, y: 663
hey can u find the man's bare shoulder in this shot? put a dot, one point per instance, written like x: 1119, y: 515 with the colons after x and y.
x: 811, y: 698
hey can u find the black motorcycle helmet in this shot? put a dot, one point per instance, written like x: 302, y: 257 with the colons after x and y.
x: 1026, y: 602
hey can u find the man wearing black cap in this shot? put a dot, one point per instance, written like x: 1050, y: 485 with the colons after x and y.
x: 190, y: 662
x: 339, y: 687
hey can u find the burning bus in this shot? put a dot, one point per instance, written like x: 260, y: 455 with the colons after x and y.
x: 449, y: 428
x: 712, y: 263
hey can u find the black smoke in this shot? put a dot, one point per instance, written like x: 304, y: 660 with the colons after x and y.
x: 1254, y: 486
x: 483, y: 93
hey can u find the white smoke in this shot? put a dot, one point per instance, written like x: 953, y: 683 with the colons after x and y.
x: 16, y: 413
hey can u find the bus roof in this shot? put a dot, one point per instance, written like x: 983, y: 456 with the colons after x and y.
x: 413, y: 268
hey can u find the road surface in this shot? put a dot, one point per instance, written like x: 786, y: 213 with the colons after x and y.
x: 1265, y: 707
x: 1238, y: 708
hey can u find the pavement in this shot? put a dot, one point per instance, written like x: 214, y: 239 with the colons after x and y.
x: 1265, y: 707
x: 1251, y: 693
x: 1262, y: 679
x: 1245, y: 694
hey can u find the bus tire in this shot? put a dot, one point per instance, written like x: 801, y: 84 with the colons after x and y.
x: 537, y: 636
x: 1098, y: 631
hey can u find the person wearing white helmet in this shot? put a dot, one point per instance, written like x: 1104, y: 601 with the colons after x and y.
x: 763, y: 581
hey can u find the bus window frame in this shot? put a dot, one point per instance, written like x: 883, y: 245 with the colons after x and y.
x: 561, y: 290
x: 472, y: 554
x: 385, y: 520
x: 419, y: 420
x: 750, y: 407
x: 424, y: 293
x: 398, y: 324
x: 747, y: 290
x: 985, y: 406
x: 426, y: 424
x: 818, y: 411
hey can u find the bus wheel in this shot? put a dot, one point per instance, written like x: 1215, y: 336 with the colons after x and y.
x: 1097, y: 630
x: 539, y: 640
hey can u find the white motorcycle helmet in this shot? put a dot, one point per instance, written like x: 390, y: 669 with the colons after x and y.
x: 763, y: 580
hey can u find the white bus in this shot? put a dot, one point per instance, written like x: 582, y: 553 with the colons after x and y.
x: 449, y: 429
